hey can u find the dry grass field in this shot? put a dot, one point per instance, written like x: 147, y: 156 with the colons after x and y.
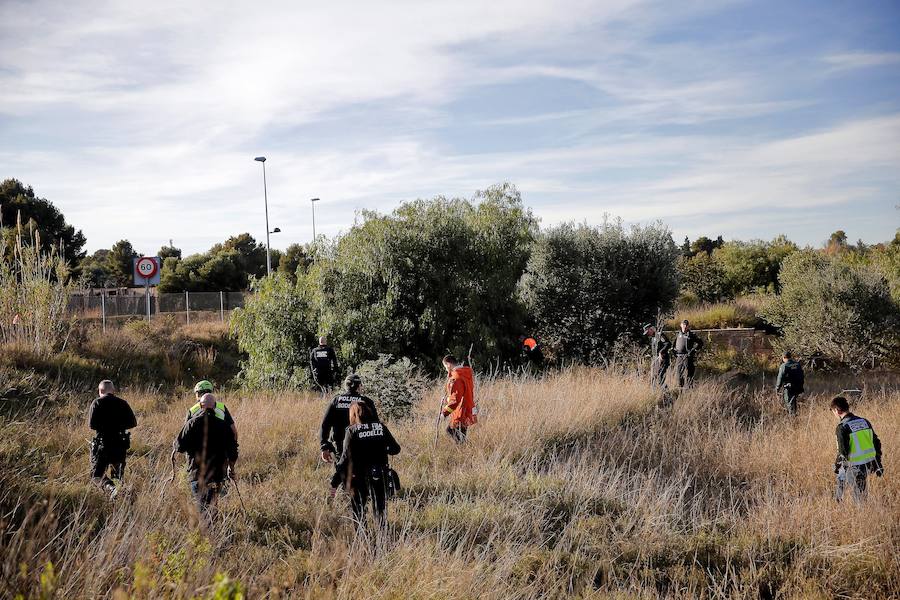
x: 579, y: 485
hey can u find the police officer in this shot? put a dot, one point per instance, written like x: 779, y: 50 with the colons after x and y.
x: 859, y: 451
x: 111, y: 417
x: 687, y: 345
x: 336, y: 420
x: 364, y: 463
x: 790, y: 382
x: 323, y: 365
x: 212, y: 451
x: 659, y: 346
x: 221, y: 411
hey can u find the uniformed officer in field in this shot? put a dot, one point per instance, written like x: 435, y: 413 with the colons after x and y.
x: 111, y: 417
x: 790, y: 382
x: 687, y: 345
x: 323, y: 365
x: 659, y: 347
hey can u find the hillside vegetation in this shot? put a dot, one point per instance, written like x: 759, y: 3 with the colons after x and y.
x: 583, y: 484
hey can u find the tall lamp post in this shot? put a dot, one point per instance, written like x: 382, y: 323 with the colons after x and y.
x: 313, y: 201
x: 262, y: 159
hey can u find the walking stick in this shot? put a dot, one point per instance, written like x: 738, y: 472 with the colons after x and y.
x: 437, y: 423
x: 241, y: 498
x: 173, y: 468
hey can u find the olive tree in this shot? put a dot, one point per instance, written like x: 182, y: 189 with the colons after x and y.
x: 828, y: 307
x: 586, y: 286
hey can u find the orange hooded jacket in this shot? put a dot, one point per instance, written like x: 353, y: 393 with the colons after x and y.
x: 460, y: 403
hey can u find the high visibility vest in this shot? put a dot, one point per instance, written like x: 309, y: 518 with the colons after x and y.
x: 219, y: 410
x: 862, y: 442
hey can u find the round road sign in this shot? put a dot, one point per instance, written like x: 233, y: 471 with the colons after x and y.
x: 146, y: 267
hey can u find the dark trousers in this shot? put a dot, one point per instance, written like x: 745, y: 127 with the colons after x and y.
x: 104, y: 464
x: 658, y: 371
x: 851, y: 479
x: 206, y: 496
x: 325, y: 381
x: 458, y: 433
x: 684, y: 370
x: 790, y: 400
x: 365, y: 489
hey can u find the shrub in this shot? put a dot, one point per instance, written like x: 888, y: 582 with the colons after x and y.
x: 827, y: 307
x: 435, y: 275
x: 703, y: 276
x: 275, y: 331
x: 34, y: 297
x: 394, y: 384
x: 586, y: 286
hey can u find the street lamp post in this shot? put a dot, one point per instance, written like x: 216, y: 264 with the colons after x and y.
x: 313, y: 201
x: 262, y: 159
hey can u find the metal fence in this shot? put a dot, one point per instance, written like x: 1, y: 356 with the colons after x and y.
x: 188, y: 307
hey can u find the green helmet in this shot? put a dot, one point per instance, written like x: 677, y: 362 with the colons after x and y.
x: 203, y: 386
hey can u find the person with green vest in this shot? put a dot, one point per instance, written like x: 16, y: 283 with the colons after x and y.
x: 790, y: 382
x: 859, y: 451
x: 220, y: 410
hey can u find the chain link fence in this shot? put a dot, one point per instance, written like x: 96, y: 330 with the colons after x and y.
x: 187, y: 307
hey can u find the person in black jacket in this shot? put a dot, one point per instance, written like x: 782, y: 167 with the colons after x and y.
x: 364, y: 463
x: 337, y: 418
x: 111, y: 417
x: 323, y: 364
x: 212, y: 451
x: 687, y: 345
x: 659, y: 348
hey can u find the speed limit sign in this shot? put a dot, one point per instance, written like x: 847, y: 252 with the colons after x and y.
x: 146, y: 270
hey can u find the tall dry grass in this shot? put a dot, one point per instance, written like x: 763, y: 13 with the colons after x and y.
x: 583, y: 484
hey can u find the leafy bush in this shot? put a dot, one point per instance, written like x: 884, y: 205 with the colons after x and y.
x: 827, y: 307
x: 703, y: 276
x: 275, y: 330
x: 586, y: 286
x: 394, y: 384
x: 435, y: 275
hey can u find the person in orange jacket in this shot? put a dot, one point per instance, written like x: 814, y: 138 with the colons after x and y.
x: 460, y: 402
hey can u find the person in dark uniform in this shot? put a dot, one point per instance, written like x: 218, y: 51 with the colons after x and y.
x: 323, y: 365
x: 111, y: 417
x: 687, y: 345
x: 336, y: 420
x: 364, y: 463
x: 790, y: 382
x: 201, y: 389
x: 212, y: 451
x: 534, y: 356
x: 659, y: 347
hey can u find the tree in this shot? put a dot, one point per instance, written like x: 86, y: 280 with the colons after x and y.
x: 251, y: 256
x: 706, y: 245
x: 276, y: 329
x: 120, y: 263
x: 686, y: 248
x: 169, y: 252
x: 585, y: 287
x: 294, y: 257
x: 830, y: 308
x: 704, y: 277
x: 752, y: 266
x: 95, y: 270
x: 435, y: 275
x: 19, y: 203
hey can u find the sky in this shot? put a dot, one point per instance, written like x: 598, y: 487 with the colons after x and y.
x: 141, y: 120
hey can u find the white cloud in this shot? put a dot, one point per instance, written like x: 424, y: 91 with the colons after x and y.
x: 158, y: 109
x: 862, y: 60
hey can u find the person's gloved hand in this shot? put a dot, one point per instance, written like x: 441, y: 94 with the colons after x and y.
x: 327, y: 456
x: 879, y: 471
x: 232, y: 474
x: 837, y: 469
